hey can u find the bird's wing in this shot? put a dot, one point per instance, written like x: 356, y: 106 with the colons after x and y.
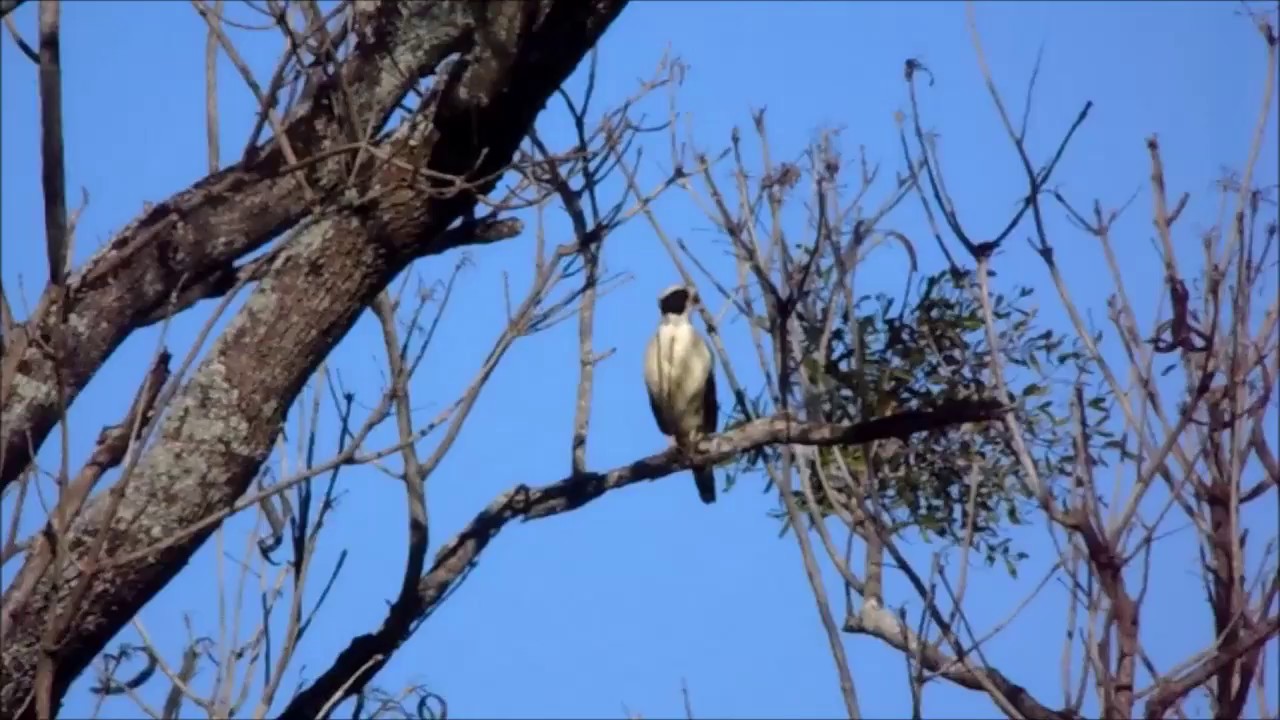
x: 657, y: 415
x: 710, y: 408
x: 652, y: 371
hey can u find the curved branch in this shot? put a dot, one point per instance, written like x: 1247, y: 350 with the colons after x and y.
x: 880, y: 623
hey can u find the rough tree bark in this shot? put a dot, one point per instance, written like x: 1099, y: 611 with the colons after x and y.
x: 192, y: 239
x: 507, y: 59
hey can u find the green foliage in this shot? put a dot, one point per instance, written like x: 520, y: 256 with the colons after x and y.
x: 881, y: 360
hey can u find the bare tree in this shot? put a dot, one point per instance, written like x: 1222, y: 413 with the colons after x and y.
x: 1178, y: 410
x: 340, y: 201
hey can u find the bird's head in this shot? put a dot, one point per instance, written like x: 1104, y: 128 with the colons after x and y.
x: 677, y: 300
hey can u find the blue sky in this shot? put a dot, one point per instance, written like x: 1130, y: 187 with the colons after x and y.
x: 579, y: 615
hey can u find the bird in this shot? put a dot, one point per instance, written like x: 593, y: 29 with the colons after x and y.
x: 679, y: 373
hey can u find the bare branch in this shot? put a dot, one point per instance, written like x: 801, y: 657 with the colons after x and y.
x: 53, y: 173
x: 1171, y: 691
x: 881, y: 624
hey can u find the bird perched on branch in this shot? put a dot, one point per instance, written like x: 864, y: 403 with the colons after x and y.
x: 680, y: 375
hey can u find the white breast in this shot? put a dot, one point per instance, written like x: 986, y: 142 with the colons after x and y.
x: 677, y: 365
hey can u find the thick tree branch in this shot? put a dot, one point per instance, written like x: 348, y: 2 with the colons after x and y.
x: 228, y: 214
x: 219, y: 282
x: 221, y: 425
x: 113, y: 443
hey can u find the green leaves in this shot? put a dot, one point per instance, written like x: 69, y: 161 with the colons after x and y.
x: 932, y: 350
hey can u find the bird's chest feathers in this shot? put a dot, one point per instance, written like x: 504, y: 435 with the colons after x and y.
x: 683, y: 363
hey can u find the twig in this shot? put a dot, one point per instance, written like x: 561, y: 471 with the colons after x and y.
x: 211, y: 89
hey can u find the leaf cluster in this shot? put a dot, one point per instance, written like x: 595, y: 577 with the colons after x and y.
x: 885, y: 356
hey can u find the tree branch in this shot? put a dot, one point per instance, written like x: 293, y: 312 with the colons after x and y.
x: 219, y: 282
x: 880, y: 623
x: 367, y: 654
x: 1171, y: 691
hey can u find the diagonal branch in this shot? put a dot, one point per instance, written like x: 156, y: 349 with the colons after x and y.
x: 1170, y: 692
x: 112, y: 444
x: 480, y: 231
x: 881, y: 624
x: 367, y: 654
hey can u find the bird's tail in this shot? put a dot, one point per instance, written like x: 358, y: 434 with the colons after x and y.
x: 705, y: 479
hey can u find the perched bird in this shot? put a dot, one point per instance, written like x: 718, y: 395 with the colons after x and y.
x: 680, y: 376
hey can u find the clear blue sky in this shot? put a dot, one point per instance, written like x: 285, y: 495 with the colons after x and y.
x: 577, y: 615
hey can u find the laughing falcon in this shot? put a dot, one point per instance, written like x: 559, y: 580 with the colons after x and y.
x: 680, y: 376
